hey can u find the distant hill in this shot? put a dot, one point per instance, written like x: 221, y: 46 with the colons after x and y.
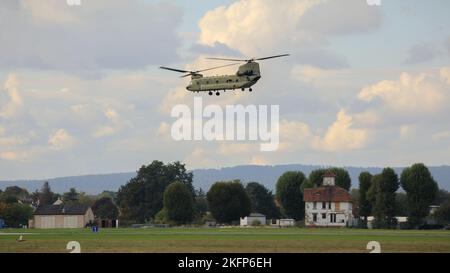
x: 204, y: 178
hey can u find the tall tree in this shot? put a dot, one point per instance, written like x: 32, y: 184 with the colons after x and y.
x: 421, y: 191
x: 382, y: 194
x: 178, y: 203
x: 342, y: 179
x: 142, y: 197
x: 228, y: 201
x: 104, y: 208
x: 262, y: 200
x: 290, y: 195
x: 365, y: 208
x: 45, y: 195
x: 71, y: 197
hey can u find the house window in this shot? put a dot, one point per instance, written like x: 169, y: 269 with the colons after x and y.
x: 329, y: 205
x: 314, y: 217
x: 324, y: 205
x: 324, y: 216
x: 315, y: 205
x: 333, y: 218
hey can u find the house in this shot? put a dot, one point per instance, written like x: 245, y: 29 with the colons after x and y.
x: 328, y: 205
x: 62, y: 216
x: 253, y: 219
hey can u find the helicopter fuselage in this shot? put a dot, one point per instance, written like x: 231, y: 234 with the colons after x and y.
x: 247, y: 75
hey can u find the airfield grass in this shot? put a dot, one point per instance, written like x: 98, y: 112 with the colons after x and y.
x: 228, y: 240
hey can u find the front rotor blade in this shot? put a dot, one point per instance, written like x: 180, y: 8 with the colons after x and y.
x: 224, y: 59
x: 173, y: 69
x: 271, y: 57
x: 190, y: 74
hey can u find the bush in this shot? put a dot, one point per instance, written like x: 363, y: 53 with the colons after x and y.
x: 256, y: 223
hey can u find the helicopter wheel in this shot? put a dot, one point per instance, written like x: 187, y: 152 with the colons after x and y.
x: 217, y: 93
x: 210, y: 93
x: 250, y: 90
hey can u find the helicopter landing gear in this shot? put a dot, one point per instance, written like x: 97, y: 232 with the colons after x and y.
x: 217, y: 93
x: 250, y: 90
x: 243, y: 89
x: 210, y: 93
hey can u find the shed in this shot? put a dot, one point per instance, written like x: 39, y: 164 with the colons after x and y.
x: 252, y: 219
x: 63, y: 216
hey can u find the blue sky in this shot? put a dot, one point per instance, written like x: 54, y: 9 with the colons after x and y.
x: 81, y: 92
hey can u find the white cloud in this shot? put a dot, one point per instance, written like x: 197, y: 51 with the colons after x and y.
x: 14, y: 106
x: 100, y: 34
x: 411, y: 94
x: 444, y: 135
x: 61, y: 140
x: 341, y: 136
x: 445, y: 74
x: 257, y: 26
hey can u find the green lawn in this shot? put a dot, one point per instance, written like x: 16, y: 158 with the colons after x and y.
x: 251, y: 240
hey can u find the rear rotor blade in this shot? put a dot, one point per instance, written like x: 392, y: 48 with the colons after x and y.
x: 271, y: 57
x: 173, y: 69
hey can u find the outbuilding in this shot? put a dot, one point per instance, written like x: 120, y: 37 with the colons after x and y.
x: 63, y: 216
x: 253, y: 219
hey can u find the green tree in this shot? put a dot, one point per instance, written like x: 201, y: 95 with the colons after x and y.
x: 228, y: 201
x: 342, y: 179
x: 442, y: 215
x: 262, y: 200
x: 421, y: 191
x: 104, y: 208
x: 382, y: 194
x: 179, y: 203
x: 16, y: 192
x: 365, y: 208
x: 71, y: 197
x: 45, y: 196
x: 290, y: 195
x: 16, y: 215
x: 200, y: 204
x: 142, y: 197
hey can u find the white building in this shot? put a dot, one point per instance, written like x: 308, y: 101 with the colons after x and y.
x: 252, y: 219
x: 283, y: 222
x: 328, y: 205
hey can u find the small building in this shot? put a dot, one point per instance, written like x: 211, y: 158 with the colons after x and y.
x: 2, y: 223
x: 283, y: 222
x: 63, y: 216
x: 328, y: 205
x: 253, y: 219
x: 401, y: 221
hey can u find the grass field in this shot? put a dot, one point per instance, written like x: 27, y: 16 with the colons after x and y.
x: 253, y: 240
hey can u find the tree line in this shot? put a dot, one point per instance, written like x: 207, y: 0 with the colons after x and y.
x: 164, y: 193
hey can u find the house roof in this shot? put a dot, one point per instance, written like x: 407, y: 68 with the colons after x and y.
x: 256, y: 215
x: 329, y: 174
x: 326, y: 194
x: 76, y: 209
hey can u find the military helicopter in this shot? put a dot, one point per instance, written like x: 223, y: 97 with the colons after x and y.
x: 246, y: 76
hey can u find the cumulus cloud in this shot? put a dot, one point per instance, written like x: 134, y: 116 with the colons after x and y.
x: 411, y: 94
x: 13, y: 107
x: 116, y: 123
x: 101, y: 34
x: 61, y: 140
x: 257, y: 27
x: 341, y: 136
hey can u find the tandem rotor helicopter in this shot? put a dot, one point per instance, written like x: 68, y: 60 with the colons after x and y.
x: 246, y: 76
